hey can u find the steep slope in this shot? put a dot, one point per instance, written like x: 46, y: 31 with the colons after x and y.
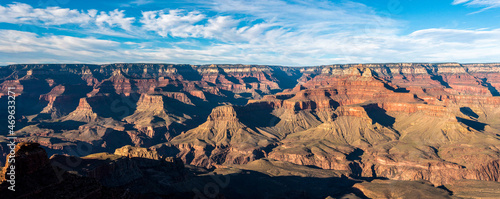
x: 150, y: 110
x: 380, y: 130
x: 221, y: 139
x: 51, y: 110
x: 83, y: 113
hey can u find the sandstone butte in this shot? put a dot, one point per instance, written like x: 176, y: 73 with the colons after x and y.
x: 352, y: 131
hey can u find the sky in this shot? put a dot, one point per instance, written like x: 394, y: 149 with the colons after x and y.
x: 267, y: 32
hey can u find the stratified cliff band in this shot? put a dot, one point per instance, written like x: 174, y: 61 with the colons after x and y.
x: 438, y: 123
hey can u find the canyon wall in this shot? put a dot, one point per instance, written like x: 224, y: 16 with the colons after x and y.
x: 402, y: 121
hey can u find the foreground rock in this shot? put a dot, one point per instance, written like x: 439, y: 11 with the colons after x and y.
x: 137, y: 168
x: 401, y: 189
x: 37, y: 178
x: 99, y: 175
x: 141, y: 173
x: 475, y: 189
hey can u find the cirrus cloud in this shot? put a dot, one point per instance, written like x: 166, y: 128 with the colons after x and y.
x: 278, y: 32
x: 485, y: 4
x: 20, y: 13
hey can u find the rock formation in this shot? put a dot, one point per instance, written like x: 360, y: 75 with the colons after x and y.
x: 94, y: 176
x: 224, y: 136
x: 83, y: 113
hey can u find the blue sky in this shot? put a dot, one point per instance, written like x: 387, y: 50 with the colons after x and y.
x: 271, y: 32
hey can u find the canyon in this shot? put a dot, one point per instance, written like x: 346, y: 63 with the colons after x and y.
x: 352, y: 130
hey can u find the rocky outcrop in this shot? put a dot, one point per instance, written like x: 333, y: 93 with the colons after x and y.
x: 121, y: 84
x: 474, y: 189
x: 224, y: 137
x: 431, y: 110
x: 83, y: 113
x: 29, y: 158
x: 148, y: 108
x: 50, y: 98
x: 15, y: 86
x: 93, y: 176
x: 128, y: 165
x: 400, y: 189
x: 181, y: 97
x: 36, y: 178
x: 223, y: 114
x: 137, y: 152
x: 109, y: 169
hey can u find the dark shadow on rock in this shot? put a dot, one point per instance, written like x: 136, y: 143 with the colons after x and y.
x: 401, y: 90
x: 253, y: 184
x: 334, y: 104
x: 166, y: 150
x: 379, y: 115
x: 170, y: 88
x: 228, y: 77
x: 434, y: 76
x: 446, y: 189
x: 356, y: 169
x: 188, y: 73
x: 28, y: 102
x: 491, y: 88
x: 286, y: 79
x: 106, y: 87
x: 59, y: 126
x: 246, y: 95
x: 198, y: 111
x: 389, y: 87
x: 75, y: 148
x: 250, y: 80
x: 254, y: 116
x: 230, y: 98
x: 116, y: 139
x: 355, y: 155
x: 114, y: 105
x: 267, y: 149
x: 469, y: 112
x: 472, y: 124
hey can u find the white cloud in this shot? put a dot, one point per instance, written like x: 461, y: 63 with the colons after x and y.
x: 455, y: 2
x: 180, y: 23
x: 176, y: 23
x: 20, y: 13
x: 141, y: 2
x: 253, y: 32
x: 28, y: 46
x: 453, y: 44
x: 12, y: 41
x: 137, y: 3
x: 486, y: 4
x: 218, y: 27
x: 305, y: 14
x: 114, y: 18
x: 429, y: 45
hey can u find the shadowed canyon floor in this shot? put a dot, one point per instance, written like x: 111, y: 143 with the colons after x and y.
x: 351, y: 131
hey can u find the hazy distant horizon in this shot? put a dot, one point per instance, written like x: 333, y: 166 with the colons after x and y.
x: 235, y: 64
